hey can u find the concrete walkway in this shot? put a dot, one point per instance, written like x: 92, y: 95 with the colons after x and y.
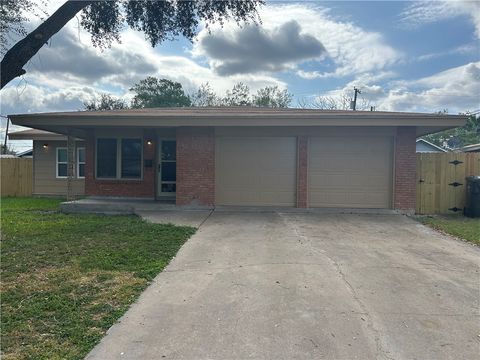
x: 279, y: 285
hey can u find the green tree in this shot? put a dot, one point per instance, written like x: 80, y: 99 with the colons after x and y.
x: 152, y: 92
x: 104, y: 20
x: 205, y: 96
x: 106, y: 102
x: 458, y: 137
x: 238, y: 96
x: 272, y: 96
x: 13, y: 15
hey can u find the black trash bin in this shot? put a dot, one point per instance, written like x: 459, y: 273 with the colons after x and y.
x: 472, y: 203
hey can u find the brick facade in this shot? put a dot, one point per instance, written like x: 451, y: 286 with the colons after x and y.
x: 405, y: 169
x: 196, y: 170
x: 302, y: 172
x: 144, y: 188
x: 195, y: 166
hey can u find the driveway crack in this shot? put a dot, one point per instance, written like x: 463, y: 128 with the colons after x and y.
x: 304, y: 240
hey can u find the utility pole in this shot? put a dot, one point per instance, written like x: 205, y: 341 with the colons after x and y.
x: 6, y: 134
x: 354, y: 104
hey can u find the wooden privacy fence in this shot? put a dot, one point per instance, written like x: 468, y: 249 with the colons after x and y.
x: 441, y: 185
x: 16, y: 176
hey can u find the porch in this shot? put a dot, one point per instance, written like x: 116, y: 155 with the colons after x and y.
x: 162, y: 212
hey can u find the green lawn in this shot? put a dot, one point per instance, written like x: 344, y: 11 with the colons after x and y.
x: 67, y: 278
x: 459, y: 226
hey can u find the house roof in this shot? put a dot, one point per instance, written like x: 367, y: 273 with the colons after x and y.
x: 35, y: 134
x: 471, y: 148
x: 62, y: 122
x: 433, y: 146
x: 26, y: 153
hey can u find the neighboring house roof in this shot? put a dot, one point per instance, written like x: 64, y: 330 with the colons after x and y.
x: 26, y: 153
x: 62, y: 122
x: 426, y: 146
x: 471, y: 148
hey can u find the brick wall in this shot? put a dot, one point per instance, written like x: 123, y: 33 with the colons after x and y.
x: 405, y: 169
x: 302, y: 172
x: 195, y: 166
x: 144, y: 188
x: 196, y: 170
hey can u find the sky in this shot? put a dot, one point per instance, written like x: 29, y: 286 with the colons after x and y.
x: 402, y: 55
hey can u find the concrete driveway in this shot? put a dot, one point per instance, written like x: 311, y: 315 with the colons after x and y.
x: 307, y: 286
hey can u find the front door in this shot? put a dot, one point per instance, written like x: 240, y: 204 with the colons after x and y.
x: 167, y: 168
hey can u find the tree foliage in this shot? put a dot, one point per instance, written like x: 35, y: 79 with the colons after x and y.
x: 13, y: 18
x: 205, y: 96
x: 458, y: 137
x: 104, y: 20
x: 337, y: 102
x: 238, y: 96
x: 272, y: 96
x: 152, y: 92
x: 106, y: 102
x: 269, y: 96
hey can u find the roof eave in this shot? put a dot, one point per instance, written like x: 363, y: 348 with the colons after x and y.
x: 238, y: 120
x: 61, y: 122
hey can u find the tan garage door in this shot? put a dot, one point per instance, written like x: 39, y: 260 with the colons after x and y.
x: 255, y: 171
x: 351, y: 172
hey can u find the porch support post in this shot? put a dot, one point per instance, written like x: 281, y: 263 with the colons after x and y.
x: 70, y: 166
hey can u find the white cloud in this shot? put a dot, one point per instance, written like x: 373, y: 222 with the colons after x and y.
x: 352, y: 49
x: 34, y: 98
x: 471, y: 48
x: 254, y: 49
x: 70, y: 70
x: 455, y: 89
x: 425, y: 12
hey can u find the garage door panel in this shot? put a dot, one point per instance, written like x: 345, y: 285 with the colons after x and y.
x: 350, y: 172
x: 280, y: 182
x: 277, y: 198
x: 352, y: 200
x: 255, y: 171
x: 341, y: 181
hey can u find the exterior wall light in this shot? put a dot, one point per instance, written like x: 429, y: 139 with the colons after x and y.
x: 149, y: 142
x: 45, y: 146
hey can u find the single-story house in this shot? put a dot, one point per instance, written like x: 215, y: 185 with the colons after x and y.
x: 243, y: 156
x: 424, y: 146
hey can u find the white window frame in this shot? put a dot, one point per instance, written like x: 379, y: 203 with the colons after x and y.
x: 78, y: 162
x: 118, y: 175
x: 58, y: 163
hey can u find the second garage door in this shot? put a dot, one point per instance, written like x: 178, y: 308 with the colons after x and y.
x: 255, y: 171
x: 353, y: 172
